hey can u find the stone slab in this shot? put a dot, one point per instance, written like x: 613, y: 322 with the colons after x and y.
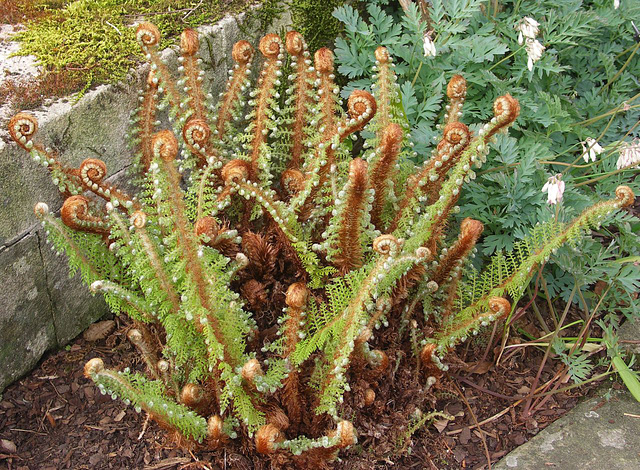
x: 629, y: 336
x: 600, y: 433
x: 27, y: 329
x: 73, y: 307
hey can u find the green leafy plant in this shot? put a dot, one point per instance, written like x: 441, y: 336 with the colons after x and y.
x: 583, y: 86
x: 572, y: 67
x: 266, y: 192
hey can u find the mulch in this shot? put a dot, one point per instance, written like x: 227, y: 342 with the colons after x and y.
x: 56, y: 419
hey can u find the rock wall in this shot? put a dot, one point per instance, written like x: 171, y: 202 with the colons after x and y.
x: 41, y: 308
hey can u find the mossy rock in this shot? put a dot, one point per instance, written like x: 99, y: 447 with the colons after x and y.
x: 93, y: 41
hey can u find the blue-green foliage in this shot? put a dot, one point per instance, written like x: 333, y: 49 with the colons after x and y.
x: 587, y: 44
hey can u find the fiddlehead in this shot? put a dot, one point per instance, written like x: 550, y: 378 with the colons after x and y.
x: 93, y: 172
x: 144, y: 122
x: 428, y: 181
x: 505, y: 109
x: 271, y: 48
x: 197, y: 136
x: 22, y: 129
x: 296, y: 300
x: 148, y: 36
x: 192, y: 81
x: 456, y: 92
x: 221, y: 238
x: 362, y: 107
x: 292, y: 181
x: 76, y: 214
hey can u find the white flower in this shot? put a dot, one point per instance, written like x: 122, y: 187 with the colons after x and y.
x: 534, y: 51
x: 590, y: 149
x: 629, y: 155
x: 554, y: 188
x: 616, y: 4
x: 429, y: 46
x: 527, y: 28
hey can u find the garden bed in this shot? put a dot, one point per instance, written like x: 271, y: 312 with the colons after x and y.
x: 57, y: 419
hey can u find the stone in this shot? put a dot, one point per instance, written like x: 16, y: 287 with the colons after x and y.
x: 27, y: 329
x: 629, y: 336
x: 74, y: 306
x: 600, y: 432
x: 8, y: 446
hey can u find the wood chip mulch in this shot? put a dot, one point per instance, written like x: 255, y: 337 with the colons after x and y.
x: 56, y: 419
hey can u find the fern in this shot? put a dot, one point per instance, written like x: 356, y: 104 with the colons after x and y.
x: 231, y: 208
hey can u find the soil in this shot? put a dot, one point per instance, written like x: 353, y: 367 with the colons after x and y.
x: 56, y: 419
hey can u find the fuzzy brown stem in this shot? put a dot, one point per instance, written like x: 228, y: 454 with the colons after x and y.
x: 297, y: 49
x: 242, y: 54
x: 349, y: 245
x: 382, y: 171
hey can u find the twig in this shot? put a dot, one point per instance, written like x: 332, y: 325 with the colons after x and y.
x: 168, y: 463
x: 29, y: 430
x: 144, y: 426
x: 473, y: 416
x: 45, y: 415
x: 113, y: 27
x: 489, y: 343
x: 485, y: 390
x: 192, y: 10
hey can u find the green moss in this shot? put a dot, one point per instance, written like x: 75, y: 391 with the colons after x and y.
x: 94, y: 38
x: 313, y: 19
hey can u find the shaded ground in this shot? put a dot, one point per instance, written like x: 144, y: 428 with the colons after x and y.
x: 57, y: 419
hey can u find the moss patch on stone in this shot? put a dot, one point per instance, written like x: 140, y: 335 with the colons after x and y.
x: 94, y: 40
x: 314, y: 20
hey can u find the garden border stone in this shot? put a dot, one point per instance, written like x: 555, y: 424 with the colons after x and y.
x: 41, y: 307
x: 600, y: 432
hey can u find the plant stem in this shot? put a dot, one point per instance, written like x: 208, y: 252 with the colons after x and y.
x: 624, y: 66
x: 593, y: 180
x: 504, y: 58
x: 415, y: 77
x: 475, y: 421
x: 534, y: 385
x: 539, y: 316
x: 588, y: 122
